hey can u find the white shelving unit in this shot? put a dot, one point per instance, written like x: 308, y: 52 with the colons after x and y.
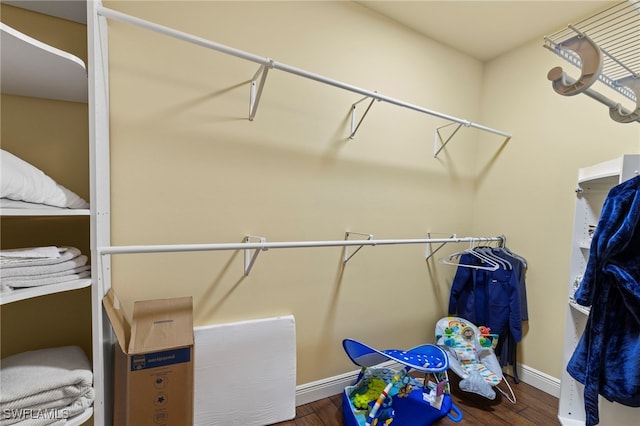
x: 594, y: 183
x: 80, y: 418
x: 31, y: 68
x: 53, y: 211
x: 29, y: 293
x: 35, y: 69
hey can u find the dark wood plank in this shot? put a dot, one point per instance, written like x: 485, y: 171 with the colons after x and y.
x: 337, y: 400
x: 310, y: 420
x: 303, y: 410
x: 532, y: 407
x: 539, y: 417
x: 327, y: 411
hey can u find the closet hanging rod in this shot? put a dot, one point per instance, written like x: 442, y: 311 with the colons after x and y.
x: 128, y: 19
x: 265, y: 245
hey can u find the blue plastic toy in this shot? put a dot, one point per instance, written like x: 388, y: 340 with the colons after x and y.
x: 404, y: 401
x: 385, y: 413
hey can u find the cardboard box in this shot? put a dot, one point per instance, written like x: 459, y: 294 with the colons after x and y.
x: 153, y: 362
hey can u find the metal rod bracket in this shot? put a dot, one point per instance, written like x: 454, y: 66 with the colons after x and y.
x: 591, y: 66
x: 438, y: 143
x: 354, y: 126
x: 618, y: 114
x: 429, y: 253
x: 249, y: 260
x: 256, y: 89
x: 346, y: 248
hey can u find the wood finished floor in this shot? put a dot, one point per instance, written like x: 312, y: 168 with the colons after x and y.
x: 533, y: 408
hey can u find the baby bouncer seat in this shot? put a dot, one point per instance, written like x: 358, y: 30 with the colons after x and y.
x: 383, y: 395
x: 470, y: 351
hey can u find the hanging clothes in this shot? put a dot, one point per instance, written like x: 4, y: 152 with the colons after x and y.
x: 508, y: 351
x: 493, y: 298
x: 607, y: 358
x: 519, y: 265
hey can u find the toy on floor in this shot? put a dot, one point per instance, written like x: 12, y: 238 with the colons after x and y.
x: 373, y: 390
x: 471, y: 356
x: 383, y: 415
x: 373, y: 416
x: 403, y: 400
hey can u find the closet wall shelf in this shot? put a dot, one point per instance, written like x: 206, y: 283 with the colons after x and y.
x: 71, y: 10
x: 259, y: 78
x: 28, y: 293
x: 32, y: 68
x: 582, y: 309
x: 585, y: 244
x: 606, y: 171
x: 606, y: 48
x: 44, y: 212
x: 81, y: 418
x: 601, y: 185
x: 263, y: 244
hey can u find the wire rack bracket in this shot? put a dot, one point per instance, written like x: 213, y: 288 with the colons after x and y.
x: 606, y: 48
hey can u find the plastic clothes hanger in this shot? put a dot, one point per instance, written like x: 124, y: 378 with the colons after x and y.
x: 503, y: 248
x: 489, y: 257
x: 488, y: 251
x: 493, y: 265
x: 506, y: 250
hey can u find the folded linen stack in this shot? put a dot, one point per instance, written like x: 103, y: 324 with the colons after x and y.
x: 33, y: 267
x: 45, y: 387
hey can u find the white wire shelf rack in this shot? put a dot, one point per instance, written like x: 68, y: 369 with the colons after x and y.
x: 616, y: 33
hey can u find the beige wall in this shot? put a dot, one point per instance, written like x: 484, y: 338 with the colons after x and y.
x: 188, y: 167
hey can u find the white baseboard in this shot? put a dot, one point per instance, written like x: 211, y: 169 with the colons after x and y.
x: 313, y: 391
x: 538, y: 379
x: 324, y: 388
x: 330, y: 386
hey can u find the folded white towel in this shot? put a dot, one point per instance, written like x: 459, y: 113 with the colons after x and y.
x: 37, y: 419
x: 64, y: 254
x: 40, y: 280
x: 50, y: 252
x: 26, y: 271
x: 46, y: 379
x: 72, y: 271
x: 46, y: 414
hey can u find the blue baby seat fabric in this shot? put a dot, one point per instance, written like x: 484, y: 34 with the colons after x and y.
x: 383, y: 395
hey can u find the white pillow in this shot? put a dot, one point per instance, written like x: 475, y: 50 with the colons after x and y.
x: 22, y: 181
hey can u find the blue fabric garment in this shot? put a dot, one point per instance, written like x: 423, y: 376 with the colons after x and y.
x: 507, y: 353
x: 607, y: 358
x: 520, y: 270
x: 462, y: 301
x: 489, y: 298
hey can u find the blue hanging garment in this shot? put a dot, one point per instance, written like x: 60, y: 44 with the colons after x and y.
x: 493, y: 298
x: 607, y: 358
